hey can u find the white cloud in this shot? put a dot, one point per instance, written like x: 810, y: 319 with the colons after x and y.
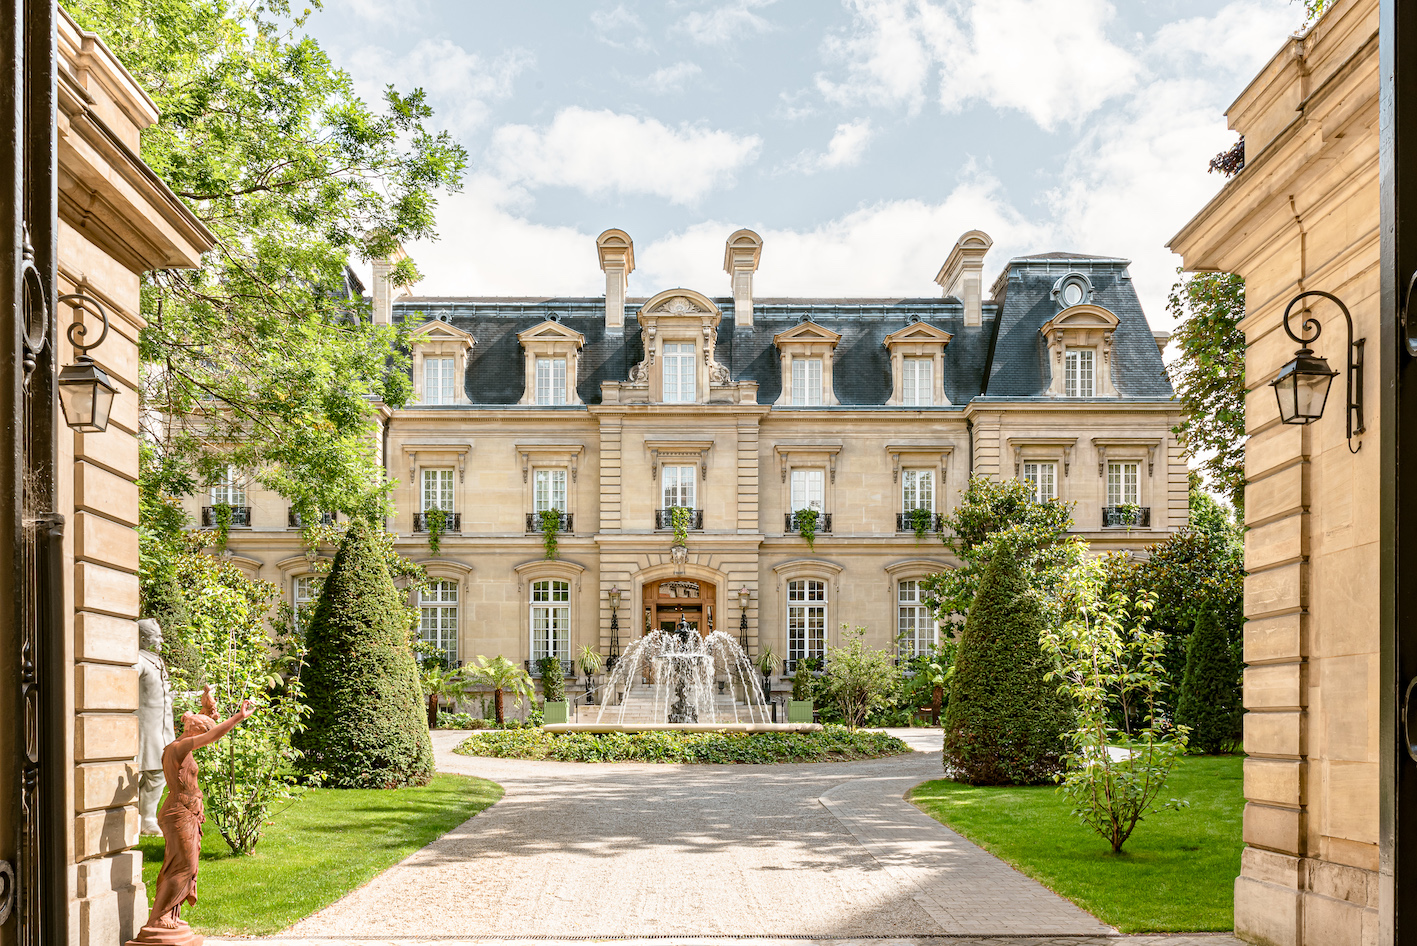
x: 725, y: 22
x: 605, y: 152
x: 1050, y: 59
x: 461, y: 85
x: 382, y: 12
x: 668, y: 79
x: 846, y: 149
x: 620, y: 28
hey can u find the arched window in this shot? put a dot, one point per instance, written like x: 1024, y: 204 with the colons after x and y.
x: 550, y: 619
x: 915, y: 625
x: 806, y: 620
x: 438, y: 618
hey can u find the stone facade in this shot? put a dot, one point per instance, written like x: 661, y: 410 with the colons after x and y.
x: 116, y: 220
x: 1303, y: 215
x: 610, y: 410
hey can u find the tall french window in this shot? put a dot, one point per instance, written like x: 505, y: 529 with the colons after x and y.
x: 679, y: 370
x: 229, y: 489
x: 551, y: 381
x: 917, y: 490
x: 550, y: 490
x: 438, y: 618
x: 915, y: 625
x: 1078, y: 374
x: 550, y: 619
x: 437, y: 380
x: 438, y: 490
x: 806, y: 619
x: 807, y: 489
x: 1123, y: 484
x: 678, y: 483
x: 304, y: 593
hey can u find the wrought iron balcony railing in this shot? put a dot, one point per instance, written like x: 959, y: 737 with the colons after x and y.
x: 1121, y: 516
x: 240, y: 516
x: 817, y: 662
x: 292, y: 519
x: 905, y: 522
x: 567, y: 522
x: 664, y: 519
x: 452, y: 522
x: 792, y: 522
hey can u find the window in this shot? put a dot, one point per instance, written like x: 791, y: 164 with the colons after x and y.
x: 437, y: 380
x: 1077, y: 372
x: 1123, y: 484
x: 806, y: 382
x: 551, y: 381
x: 550, y: 490
x: 228, y: 490
x: 550, y: 619
x: 917, y: 490
x: 304, y: 594
x: 1042, y: 480
x: 806, y: 619
x: 1072, y: 294
x: 807, y: 489
x: 679, y: 373
x: 679, y: 484
x: 917, y: 382
x: 915, y: 625
x: 438, y: 490
x: 438, y: 618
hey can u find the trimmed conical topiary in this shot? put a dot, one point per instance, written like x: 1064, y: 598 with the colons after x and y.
x: 1210, y: 701
x: 1004, y: 722
x: 366, y: 728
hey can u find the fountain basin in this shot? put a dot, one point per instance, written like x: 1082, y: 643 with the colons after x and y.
x: 681, y: 727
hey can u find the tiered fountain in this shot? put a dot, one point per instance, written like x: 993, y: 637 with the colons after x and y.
x: 679, y: 680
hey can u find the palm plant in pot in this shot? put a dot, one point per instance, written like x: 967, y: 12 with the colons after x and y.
x: 590, y: 663
x: 766, y: 663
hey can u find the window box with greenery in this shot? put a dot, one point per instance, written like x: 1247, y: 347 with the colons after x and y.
x: 550, y: 522
x: 437, y: 523
x: 664, y: 519
x: 920, y: 520
x: 808, y: 523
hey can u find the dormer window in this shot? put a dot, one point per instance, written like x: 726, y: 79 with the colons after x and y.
x: 553, y: 354
x: 1079, y: 373
x: 437, y: 380
x: 679, y: 370
x: 1072, y: 289
x: 807, y: 382
x: 917, y: 365
x: 440, y: 353
x: 917, y: 381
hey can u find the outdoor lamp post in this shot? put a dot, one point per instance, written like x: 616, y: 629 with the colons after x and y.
x: 1301, y: 386
x: 85, y: 391
x: 744, y: 597
x: 614, y: 597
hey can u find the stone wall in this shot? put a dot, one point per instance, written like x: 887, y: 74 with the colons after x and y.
x: 1303, y: 215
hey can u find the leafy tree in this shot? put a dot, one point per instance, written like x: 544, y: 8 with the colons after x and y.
x: 366, y: 727
x: 1210, y: 701
x: 859, y: 678
x: 230, y: 619
x: 261, y: 358
x: 1103, y: 653
x: 1209, y: 375
x: 1004, y: 722
x: 990, y: 512
x: 161, y: 597
x: 440, y: 684
x: 502, y: 677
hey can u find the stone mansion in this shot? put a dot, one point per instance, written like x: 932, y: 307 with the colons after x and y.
x: 612, y: 411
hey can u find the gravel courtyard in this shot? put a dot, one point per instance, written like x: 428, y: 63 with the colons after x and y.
x: 828, y: 851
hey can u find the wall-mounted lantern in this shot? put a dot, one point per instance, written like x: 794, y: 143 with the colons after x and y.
x: 1301, y: 386
x: 85, y: 391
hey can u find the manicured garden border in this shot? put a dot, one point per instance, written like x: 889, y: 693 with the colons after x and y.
x: 832, y: 744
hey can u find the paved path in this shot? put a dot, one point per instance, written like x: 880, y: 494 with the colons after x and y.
x: 706, y: 853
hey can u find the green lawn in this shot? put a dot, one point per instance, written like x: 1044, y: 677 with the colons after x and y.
x: 318, y: 849
x: 1175, y: 874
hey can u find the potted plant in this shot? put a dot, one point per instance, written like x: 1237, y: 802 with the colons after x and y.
x: 799, y: 708
x: 553, y: 690
x: 920, y: 519
x: 590, y: 663
x: 807, y: 525
x: 767, y: 663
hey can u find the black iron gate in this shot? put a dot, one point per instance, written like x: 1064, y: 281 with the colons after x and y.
x: 33, y: 822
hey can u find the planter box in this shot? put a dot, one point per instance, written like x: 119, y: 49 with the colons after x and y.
x: 799, y: 711
x: 554, y: 712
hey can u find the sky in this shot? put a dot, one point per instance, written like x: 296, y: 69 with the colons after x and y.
x: 860, y: 138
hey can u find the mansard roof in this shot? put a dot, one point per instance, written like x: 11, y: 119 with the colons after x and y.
x: 1005, y: 356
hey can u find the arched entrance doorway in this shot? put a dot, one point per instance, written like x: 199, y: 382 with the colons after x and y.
x: 669, y: 600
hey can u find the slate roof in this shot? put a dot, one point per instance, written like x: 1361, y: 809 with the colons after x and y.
x: 1003, y: 357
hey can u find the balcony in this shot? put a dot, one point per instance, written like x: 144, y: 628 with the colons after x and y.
x: 1126, y: 517
x: 452, y: 522
x: 905, y: 522
x: 292, y: 519
x: 816, y: 664
x: 567, y: 523
x: 568, y: 668
x: 664, y: 519
x: 792, y: 523
x: 240, y: 517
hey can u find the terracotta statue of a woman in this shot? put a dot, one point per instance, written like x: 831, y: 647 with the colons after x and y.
x: 181, y: 822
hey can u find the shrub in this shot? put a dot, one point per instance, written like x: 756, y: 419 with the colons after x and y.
x: 802, y: 680
x: 367, y: 728
x: 553, y: 679
x: 1004, y: 722
x: 1210, y: 691
x: 859, y: 678
x: 831, y: 744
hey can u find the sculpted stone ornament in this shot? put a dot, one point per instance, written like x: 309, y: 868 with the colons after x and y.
x: 181, y: 820
x: 154, y: 722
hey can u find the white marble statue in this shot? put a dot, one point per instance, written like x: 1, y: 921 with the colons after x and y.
x: 155, y: 729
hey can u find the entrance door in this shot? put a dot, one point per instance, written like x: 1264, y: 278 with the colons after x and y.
x: 668, y: 601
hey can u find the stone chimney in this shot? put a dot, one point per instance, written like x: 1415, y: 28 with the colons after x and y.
x: 617, y: 261
x: 962, y: 276
x: 740, y: 262
x: 382, y: 289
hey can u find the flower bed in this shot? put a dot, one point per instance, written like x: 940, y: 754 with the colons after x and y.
x: 832, y: 744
